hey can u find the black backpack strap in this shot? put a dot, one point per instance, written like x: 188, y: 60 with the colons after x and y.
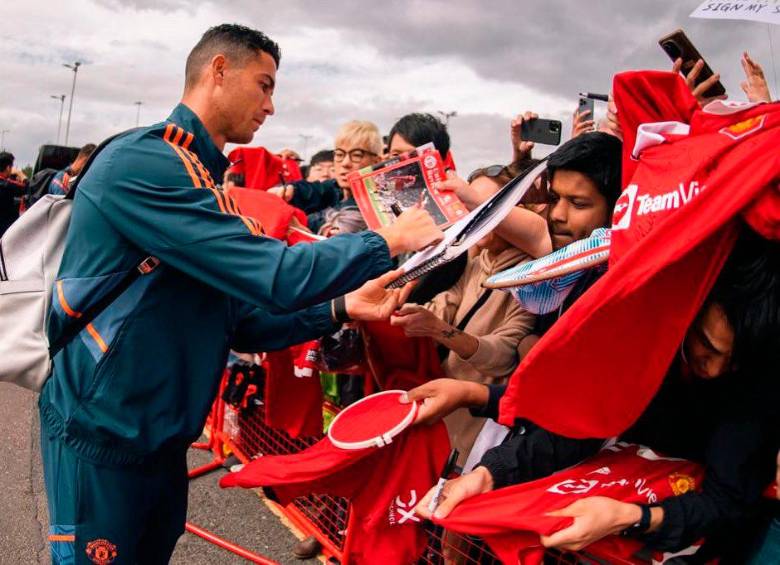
x: 144, y: 268
x: 443, y: 351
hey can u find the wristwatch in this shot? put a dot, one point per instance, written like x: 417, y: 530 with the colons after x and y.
x: 643, y: 525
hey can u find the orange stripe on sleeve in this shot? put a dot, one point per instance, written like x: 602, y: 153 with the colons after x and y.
x: 178, y: 136
x: 64, y: 303
x: 62, y: 537
x: 97, y: 337
x: 188, y: 140
x: 195, y: 180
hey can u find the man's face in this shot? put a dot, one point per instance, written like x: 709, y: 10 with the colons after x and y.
x: 398, y: 145
x: 576, y: 208
x: 321, y: 171
x: 244, y: 96
x: 350, y: 156
x: 709, y: 343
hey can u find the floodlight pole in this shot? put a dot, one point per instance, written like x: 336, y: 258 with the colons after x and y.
x: 61, y: 98
x: 75, y: 68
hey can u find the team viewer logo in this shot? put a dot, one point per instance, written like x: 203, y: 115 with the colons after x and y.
x: 101, y: 552
x: 743, y: 128
x: 624, y: 208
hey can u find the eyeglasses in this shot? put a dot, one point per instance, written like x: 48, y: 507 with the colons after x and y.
x: 355, y: 156
x: 491, y: 171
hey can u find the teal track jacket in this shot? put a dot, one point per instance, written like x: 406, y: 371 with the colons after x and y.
x: 140, y: 379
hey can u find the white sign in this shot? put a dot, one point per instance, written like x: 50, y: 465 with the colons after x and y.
x: 767, y: 11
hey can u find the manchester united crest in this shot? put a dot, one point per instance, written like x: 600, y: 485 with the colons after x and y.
x: 101, y: 552
x: 681, y: 483
x: 743, y: 128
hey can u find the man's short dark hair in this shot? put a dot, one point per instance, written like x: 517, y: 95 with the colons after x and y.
x: 235, y: 41
x: 748, y: 290
x: 418, y: 129
x: 86, y: 151
x: 596, y: 155
x: 324, y: 156
x: 6, y: 160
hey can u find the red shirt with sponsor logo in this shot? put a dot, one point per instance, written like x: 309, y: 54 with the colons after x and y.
x: 511, y: 519
x: 693, y: 175
x: 383, y: 484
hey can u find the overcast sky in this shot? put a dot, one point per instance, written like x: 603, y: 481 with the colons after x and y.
x: 348, y: 60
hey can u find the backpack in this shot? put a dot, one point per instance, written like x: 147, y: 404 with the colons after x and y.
x: 38, y: 186
x: 30, y: 255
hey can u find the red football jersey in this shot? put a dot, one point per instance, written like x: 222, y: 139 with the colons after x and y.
x: 595, y: 371
x: 511, y: 519
x: 383, y: 485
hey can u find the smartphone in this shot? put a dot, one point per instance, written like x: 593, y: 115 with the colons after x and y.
x: 540, y: 130
x: 678, y: 46
x: 586, y: 105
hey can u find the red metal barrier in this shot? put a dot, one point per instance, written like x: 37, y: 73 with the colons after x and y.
x: 326, y: 517
x: 214, y: 424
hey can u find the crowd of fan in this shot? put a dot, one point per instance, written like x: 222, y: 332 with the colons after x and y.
x: 737, y: 445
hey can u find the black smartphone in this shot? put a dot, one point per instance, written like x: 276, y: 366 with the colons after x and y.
x: 586, y: 105
x: 677, y: 46
x: 540, y: 130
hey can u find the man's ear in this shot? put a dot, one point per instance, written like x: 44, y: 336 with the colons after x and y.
x: 217, y: 69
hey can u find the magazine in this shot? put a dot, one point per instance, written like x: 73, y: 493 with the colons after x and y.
x: 467, y: 231
x: 384, y: 190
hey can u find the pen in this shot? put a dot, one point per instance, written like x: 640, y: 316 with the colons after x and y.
x: 448, y: 467
x: 594, y: 96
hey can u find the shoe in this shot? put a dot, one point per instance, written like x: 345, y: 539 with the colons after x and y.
x: 307, y: 548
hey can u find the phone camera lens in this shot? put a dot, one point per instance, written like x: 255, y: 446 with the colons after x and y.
x: 672, y: 49
x: 554, y: 128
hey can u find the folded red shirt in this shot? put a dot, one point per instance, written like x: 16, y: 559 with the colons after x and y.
x: 511, y: 519
x: 261, y: 168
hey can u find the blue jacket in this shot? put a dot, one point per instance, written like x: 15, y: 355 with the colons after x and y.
x: 140, y: 379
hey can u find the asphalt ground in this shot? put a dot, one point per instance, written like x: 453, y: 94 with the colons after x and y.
x: 235, y: 514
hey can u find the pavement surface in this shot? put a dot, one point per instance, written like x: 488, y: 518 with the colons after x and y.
x: 235, y: 514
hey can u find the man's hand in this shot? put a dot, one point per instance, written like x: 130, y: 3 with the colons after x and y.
x: 755, y: 86
x: 441, y: 397
x: 416, y: 321
x: 285, y: 191
x: 413, y: 230
x: 520, y: 148
x: 373, y: 301
x: 581, y: 122
x: 470, y: 197
x: 289, y: 154
x: 595, y: 517
x: 456, y: 491
x: 704, y: 86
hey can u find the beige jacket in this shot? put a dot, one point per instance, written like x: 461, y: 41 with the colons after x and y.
x: 499, y: 325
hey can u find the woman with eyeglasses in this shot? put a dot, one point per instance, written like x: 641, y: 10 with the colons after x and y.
x: 358, y: 144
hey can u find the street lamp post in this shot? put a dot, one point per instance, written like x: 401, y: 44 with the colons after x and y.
x: 61, y: 98
x: 75, y: 68
x: 447, y: 116
x: 2, y: 138
x: 138, y: 113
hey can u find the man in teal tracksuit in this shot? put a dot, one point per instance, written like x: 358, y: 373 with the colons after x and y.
x: 132, y: 390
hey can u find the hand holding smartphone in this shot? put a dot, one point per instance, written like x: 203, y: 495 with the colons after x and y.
x: 677, y: 46
x: 540, y: 130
